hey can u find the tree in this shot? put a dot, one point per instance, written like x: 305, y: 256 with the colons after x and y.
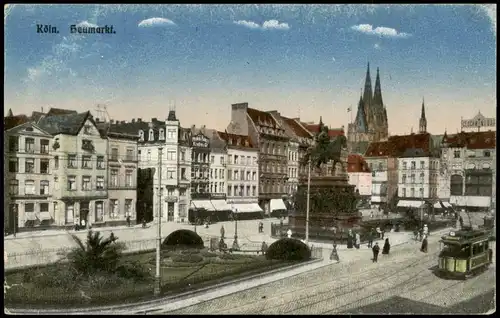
x: 97, y: 254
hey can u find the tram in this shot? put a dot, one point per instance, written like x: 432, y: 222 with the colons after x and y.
x: 464, y: 253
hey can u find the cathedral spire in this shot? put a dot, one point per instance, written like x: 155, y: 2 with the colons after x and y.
x: 320, y: 125
x: 423, y: 121
x: 377, y: 95
x: 360, y: 123
x: 368, y: 93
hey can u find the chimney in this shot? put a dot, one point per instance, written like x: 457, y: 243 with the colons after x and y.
x: 239, y: 124
x: 111, y: 121
x: 154, y: 120
x: 123, y: 122
x: 139, y: 120
x: 133, y: 120
x: 192, y: 128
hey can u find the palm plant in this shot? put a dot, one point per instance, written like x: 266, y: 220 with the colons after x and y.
x: 97, y: 254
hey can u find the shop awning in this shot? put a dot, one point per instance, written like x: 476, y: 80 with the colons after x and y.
x: 202, y: 204
x: 447, y: 205
x: 277, y: 204
x: 44, y: 216
x: 247, y: 208
x: 30, y: 216
x: 221, y: 205
x: 480, y: 202
x: 410, y: 204
x: 438, y: 205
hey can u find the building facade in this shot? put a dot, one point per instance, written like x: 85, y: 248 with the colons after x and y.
x: 269, y: 136
x: 184, y: 168
x: 80, y: 162
x: 468, y: 172
x: 28, y: 195
x: 371, y: 123
x: 359, y: 176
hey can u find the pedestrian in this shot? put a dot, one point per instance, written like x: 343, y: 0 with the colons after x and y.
x: 143, y: 223
x: 461, y: 220
x: 222, y: 232
x: 261, y: 227
x: 334, y: 255
x: 425, y: 230
x: 371, y: 214
x: 358, y: 240
x: 415, y: 233
x: 387, y: 247
x: 375, y: 250
x: 379, y: 233
x: 112, y: 237
x: 263, y: 248
x: 289, y: 233
x: 382, y: 234
x: 371, y: 236
x: 128, y: 220
x: 350, y: 239
x: 423, y: 248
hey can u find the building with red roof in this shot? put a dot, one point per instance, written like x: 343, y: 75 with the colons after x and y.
x: 359, y: 174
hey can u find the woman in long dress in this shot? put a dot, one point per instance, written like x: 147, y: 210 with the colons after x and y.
x: 334, y: 256
x: 387, y: 247
x: 424, y: 245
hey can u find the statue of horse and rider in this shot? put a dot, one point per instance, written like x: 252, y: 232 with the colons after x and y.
x: 325, y: 150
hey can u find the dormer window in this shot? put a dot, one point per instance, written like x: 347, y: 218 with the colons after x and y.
x: 162, y: 134
x: 141, y: 135
x: 151, y: 135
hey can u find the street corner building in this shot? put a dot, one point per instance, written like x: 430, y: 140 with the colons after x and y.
x: 58, y: 172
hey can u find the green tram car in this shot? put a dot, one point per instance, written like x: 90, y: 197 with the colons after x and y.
x: 464, y: 253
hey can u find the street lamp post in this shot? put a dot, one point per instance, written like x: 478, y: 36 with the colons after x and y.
x: 157, y: 288
x: 308, y: 197
x: 235, y: 216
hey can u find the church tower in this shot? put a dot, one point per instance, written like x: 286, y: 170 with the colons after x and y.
x: 422, y: 126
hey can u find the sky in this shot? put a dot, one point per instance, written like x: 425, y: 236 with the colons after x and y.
x: 305, y: 61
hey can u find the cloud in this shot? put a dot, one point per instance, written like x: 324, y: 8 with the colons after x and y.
x: 379, y: 31
x: 491, y: 12
x: 377, y: 46
x: 333, y: 59
x: 152, y: 22
x: 267, y: 25
x: 87, y: 24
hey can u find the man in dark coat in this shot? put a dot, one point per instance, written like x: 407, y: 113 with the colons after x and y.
x: 424, y: 245
x: 387, y: 247
x: 222, y: 232
x: 371, y: 237
x: 461, y: 220
x: 376, y: 250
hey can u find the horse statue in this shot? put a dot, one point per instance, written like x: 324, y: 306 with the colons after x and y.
x: 326, y: 150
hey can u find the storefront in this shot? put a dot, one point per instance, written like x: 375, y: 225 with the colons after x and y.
x: 278, y: 208
x: 248, y: 211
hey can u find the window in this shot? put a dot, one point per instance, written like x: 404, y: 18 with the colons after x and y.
x: 254, y: 176
x: 221, y: 173
x: 114, y: 154
x: 71, y: 183
x: 113, y: 208
x: 44, y: 146
x: 248, y: 176
x: 405, y: 166
x: 44, y: 187
x: 183, y: 174
x: 29, y: 207
x: 56, y: 183
x: 14, y: 187
x: 404, y: 178
x: 113, y: 180
x: 456, y: 184
x: 412, y: 178
x: 170, y: 173
x: 128, y: 207
x: 478, y: 183
x: 183, y: 155
x: 230, y: 159
x: 229, y: 174
x: 248, y: 191
x: 141, y: 135
x: 86, y: 162
x: 14, y: 165
x: 171, y: 155
x: 413, y: 165
x: 130, y: 154
x: 151, y: 135
x: 171, y: 134
x: 56, y: 162
x: 29, y: 145
x: 215, y: 172
x: 100, y: 162
x: 235, y: 159
x: 162, y: 134
x: 222, y: 160
x: 29, y: 165
x: 44, y: 207
x: 44, y: 165
x: 422, y: 164
x: 212, y: 159
x: 182, y: 192
x: 404, y: 192
x: 70, y: 212
x: 100, y: 183
x: 86, y: 185
x: 29, y: 187
x: 148, y: 158
x: 13, y: 143
x: 421, y: 178
x: 99, y: 211
x: 456, y: 154
x: 254, y: 191
x: 128, y: 178
x: 486, y: 153
x: 71, y: 161
x: 421, y: 192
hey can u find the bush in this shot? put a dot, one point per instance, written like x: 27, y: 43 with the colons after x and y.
x: 102, y: 281
x: 183, y: 238
x: 133, y: 270
x: 288, y: 249
x: 207, y: 254
x: 187, y: 258
x: 190, y: 251
x: 54, y: 276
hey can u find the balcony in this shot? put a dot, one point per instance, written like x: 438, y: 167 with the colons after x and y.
x: 84, y: 195
x: 30, y: 196
x: 122, y: 187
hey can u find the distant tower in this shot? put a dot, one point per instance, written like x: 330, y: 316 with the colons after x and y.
x: 422, y: 127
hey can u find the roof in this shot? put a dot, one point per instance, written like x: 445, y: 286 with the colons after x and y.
x: 378, y: 149
x: 215, y: 141
x: 414, y: 152
x: 236, y: 141
x: 69, y: 124
x: 114, y: 131
x: 472, y: 140
x: 13, y: 121
x: 35, y: 116
x: 356, y: 163
x: 60, y: 111
x: 297, y: 129
x: 396, y: 146
x: 261, y: 118
x: 332, y: 132
x: 23, y: 129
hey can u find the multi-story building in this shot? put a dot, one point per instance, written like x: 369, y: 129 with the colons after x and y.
x: 122, y: 172
x: 383, y: 163
x: 242, y: 176
x: 184, y: 173
x: 28, y: 177
x: 218, y: 174
x: 80, y: 160
x: 268, y: 134
x: 157, y: 137
x: 468, y: 168
x: 359, y: 176
x: 292, y: 167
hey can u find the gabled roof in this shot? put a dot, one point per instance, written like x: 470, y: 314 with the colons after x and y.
x: 22, y: 127
x: 472, y: 140
x: 356, y: 163
x: 414, y: 152
x: 236, y: 141
x: 395, y: 146
x: 297, y: 128
x: 60, y: 111
x: 215, y: 141
x: 261, y: 118
x: 13, y: 121
x: 69, y: 124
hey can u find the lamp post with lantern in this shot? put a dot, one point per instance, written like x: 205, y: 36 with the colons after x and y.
x: 236, y: 246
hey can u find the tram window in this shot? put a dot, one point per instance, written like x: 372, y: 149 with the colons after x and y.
x: 464, y: 251
x: 450, y: 251
x: 486, y: 246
